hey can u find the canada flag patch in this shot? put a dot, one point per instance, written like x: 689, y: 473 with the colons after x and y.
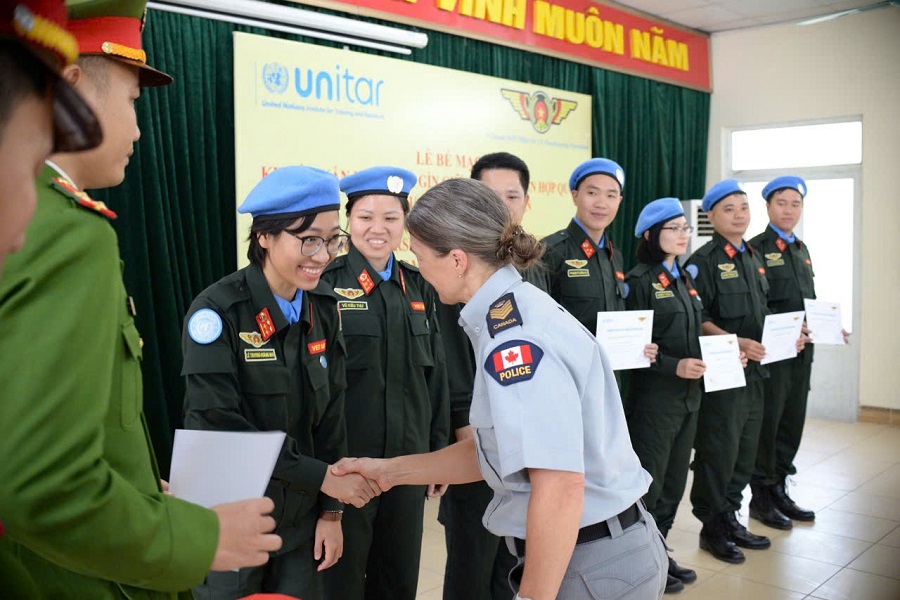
x: 513, y: 361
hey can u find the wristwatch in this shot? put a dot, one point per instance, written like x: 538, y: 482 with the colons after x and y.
x: 518, y: 597
x: 331, y: 515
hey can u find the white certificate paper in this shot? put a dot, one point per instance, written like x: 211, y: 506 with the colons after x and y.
x: 215, y: 467
x: 823, y: 319
x: 623, y: 334
x: 780, y: 334
x: 722, y: 356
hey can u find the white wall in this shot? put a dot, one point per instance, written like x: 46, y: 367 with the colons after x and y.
x: 842, y: 68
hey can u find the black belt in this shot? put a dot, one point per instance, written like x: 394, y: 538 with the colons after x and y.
x: 597, y: 531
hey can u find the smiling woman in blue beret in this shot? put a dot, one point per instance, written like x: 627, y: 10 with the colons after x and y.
x: 662, y: 411
x: 263, y: 352
x: 397, y: 395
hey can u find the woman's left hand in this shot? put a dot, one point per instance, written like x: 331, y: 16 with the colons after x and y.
x: 329, y: 544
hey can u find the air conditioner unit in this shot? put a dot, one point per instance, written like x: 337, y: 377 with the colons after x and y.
x: 703, y: 229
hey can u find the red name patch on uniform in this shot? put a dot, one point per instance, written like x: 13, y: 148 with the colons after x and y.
x: 419, y: 306
x: 264, y: 321
x: 693, y: 292
x: 316, y: 347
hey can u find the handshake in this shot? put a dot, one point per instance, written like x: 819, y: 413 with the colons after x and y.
x: 357, y: 480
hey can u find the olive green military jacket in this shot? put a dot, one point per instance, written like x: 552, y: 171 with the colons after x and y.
x: 288, y: 378
x: 461, y: 357
x: 79, y: 485
x: 733, y: 288
x: 790, y: 274
x: 583, y: 278
x: 677, y: 317
x: 397, y: 398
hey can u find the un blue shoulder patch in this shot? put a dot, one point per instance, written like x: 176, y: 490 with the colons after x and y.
x: 513, y: 361
x: 503, y: 314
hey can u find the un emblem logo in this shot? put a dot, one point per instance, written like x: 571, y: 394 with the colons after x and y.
x: 275, y: 77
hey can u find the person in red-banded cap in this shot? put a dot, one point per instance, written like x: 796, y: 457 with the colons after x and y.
x: 82, y: 503
x: 39, y: 112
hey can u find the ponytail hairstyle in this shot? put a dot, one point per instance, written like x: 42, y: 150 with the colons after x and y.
x: 466, y: 214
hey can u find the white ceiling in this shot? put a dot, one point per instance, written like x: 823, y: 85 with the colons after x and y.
x: 722, y: 15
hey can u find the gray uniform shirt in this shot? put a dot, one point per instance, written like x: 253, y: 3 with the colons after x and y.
x: 544, y: 398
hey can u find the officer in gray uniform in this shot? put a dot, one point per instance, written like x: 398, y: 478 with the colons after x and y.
x: 550, y: 436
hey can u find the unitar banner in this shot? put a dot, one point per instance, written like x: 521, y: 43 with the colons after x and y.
x: 343, y: 111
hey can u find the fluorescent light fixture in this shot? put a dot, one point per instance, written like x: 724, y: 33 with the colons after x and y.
x: 851, y: 11
x: 298, y: 21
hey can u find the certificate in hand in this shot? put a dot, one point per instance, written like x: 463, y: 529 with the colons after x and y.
x: 215, y: 467
x: 722, y: 356
x: 623, y: 334
x: 823, y: 319
x: 780, y: 334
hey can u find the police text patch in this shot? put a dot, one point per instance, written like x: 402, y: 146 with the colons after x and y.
x: 513, y: 361
x: 503, y: 314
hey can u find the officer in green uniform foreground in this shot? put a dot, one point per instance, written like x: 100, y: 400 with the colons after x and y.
x: 790, y: 274
x: 478, y: 562
x: 397, y: 399
x: 82, y: 501
x: 732, y: 284
x: 662, y: 411
x: 39, y: 113
x: 263, y: 351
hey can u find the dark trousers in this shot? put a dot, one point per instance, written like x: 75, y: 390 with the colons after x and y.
x: 726, y: 442
x: 382, y: 547
x: 663, y: 443
x: 478, y: 562
x: 292, y: 573
x: 786, y: 393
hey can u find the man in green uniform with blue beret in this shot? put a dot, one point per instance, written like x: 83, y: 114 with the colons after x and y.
x: 731, y: 281
x: 83, y: 506
x: 790, y: 274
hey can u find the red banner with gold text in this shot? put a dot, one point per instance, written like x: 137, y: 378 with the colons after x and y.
x: 584, y: 31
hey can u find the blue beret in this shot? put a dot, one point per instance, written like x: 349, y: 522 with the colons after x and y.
x: 379, y: 180
x: 658, y: 211
x: 786, y: 182
x: 594, y: 166
x: 724, y: 188
x: 293, y: 191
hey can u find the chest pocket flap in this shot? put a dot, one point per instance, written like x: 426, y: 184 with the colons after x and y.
x: 420, y: 340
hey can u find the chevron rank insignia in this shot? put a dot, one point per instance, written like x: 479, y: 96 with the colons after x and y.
x: 503, y: 314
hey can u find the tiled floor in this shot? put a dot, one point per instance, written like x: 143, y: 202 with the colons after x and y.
x: 849, y: 474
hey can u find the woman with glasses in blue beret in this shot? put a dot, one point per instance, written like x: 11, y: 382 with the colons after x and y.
x: 397, y: 396
x: 263, y: 351
x: 664, y: 400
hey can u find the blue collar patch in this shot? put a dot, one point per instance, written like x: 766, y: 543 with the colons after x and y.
x: 503, y: 314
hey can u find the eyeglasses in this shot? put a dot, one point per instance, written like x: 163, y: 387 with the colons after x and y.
x: 686, y: 230
x: 311, y: 244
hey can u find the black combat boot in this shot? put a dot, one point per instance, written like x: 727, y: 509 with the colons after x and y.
x: 683, y: 574
x: 763, y: 508
x: 787, y: 506
x: 715, y: 538
x: 673, y: 585
x: 743, y: 538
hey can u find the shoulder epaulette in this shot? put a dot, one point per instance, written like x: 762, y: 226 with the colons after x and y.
x: 638, y: 270
x: 228, y: 292
x: 409, y: 267
x: 705, y: 249
x: 68, y: 189
x: 556, y: 238
x: 324, y: 289
x: 337, y: 263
